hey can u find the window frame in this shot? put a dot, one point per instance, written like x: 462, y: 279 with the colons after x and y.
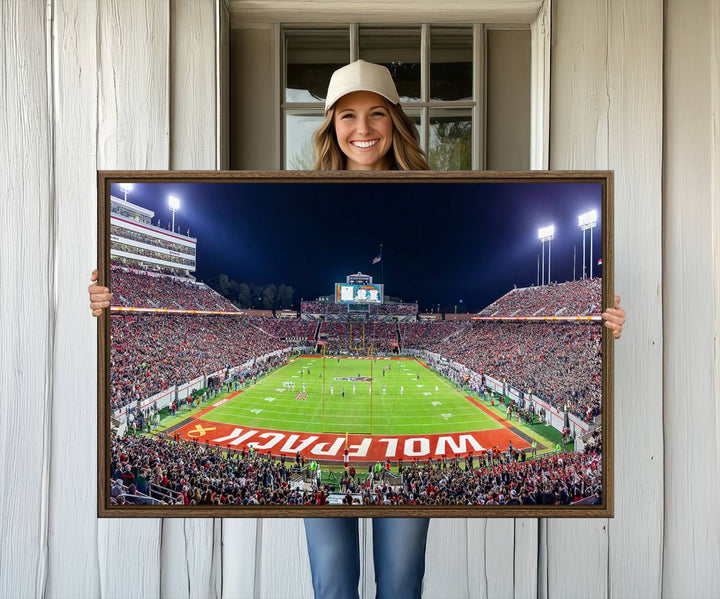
x: 476, y: 106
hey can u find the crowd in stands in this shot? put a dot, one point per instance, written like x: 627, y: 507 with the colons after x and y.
x: 428, y: 334
x: 395, y: 309
x: 288, y: 328
x: 151, y: 353
x: 163, y: 269
x: 151, y: 240
x: 132, y: 289
x: 560, y: 363
x: 312, y: 307
x: 151, y: 253
x: 380, y: 330
x: 197, y: 474
x: 565, y: 299
x: 334, y: 330
x: 558, y: 479
x: 191, y: 473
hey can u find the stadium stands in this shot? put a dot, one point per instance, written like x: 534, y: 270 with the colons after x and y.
x: 320, y: 308
x: 197, y: 474
x: 287, y: 328
x: 149, y: 353
x: 133, y: 289
x: 573, y: 298
x: 559, y: 362
x: 428, y: 334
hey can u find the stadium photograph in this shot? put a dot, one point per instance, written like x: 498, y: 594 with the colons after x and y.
x: 307, y: 343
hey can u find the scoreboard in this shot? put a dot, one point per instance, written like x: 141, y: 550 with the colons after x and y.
x: 358, y: 294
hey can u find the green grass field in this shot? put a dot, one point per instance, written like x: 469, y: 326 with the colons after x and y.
x: 417, y: 409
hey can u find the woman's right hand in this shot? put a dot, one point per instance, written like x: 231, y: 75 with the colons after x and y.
x: 99, y: 296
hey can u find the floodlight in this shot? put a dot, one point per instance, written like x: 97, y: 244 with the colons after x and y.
x: 587, y: 220
x: 546, y: 233
x: 126, y: 187
x: 174, y: 206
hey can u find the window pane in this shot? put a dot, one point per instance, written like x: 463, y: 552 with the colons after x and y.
x: 450, y: 140
x: 399, y: 51
x: 311, y: 57
x: 451, y: 56
x: 414, y: 115
x: 299, y: 149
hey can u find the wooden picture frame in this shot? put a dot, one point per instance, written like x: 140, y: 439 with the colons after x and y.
x: 504, y: 209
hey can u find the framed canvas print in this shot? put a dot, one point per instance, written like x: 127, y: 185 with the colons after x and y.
x: 355, y: 344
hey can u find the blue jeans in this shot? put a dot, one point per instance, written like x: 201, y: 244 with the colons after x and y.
x: 398, y: 552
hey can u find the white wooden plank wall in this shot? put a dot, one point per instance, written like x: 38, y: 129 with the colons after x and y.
x: 282, y: 566
x: 691, y: 325
x: 607, y: 113
x: 133, y: 130
x: 74, y: 568
x: 635, y: 44
x: 115, y: 84
x: 27, y: 316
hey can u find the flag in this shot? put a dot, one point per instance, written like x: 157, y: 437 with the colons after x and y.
x: 600, y: 262
x: 377, y: 259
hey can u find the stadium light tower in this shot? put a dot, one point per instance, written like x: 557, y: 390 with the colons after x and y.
x: 126, y: 187
x: 546, y: 234
x: 588, y: 221
x: 174, y: 207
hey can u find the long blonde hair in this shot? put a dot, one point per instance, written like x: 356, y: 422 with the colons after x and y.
x: 404, y: 155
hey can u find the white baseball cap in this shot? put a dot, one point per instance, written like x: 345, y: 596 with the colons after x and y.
x: 361, y: 76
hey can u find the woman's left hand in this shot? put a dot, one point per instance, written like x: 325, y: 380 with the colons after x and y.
x: 615, y: 318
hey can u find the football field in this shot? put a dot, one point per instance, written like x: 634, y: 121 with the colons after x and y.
x: 383, y: 396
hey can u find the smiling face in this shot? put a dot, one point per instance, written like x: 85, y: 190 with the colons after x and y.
x: 364, y: 130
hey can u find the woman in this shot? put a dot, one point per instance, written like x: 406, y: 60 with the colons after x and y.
x: 365, y: 129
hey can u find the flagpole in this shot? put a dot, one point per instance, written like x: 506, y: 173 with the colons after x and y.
x: 382, y: 269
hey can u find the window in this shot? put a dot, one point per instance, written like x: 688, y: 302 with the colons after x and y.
x: 434, y: 67
x: 468, y: 88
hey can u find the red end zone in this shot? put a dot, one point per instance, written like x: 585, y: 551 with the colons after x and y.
x: 362, y: 448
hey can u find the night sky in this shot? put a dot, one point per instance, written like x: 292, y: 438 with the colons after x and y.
x: 462, y: 244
